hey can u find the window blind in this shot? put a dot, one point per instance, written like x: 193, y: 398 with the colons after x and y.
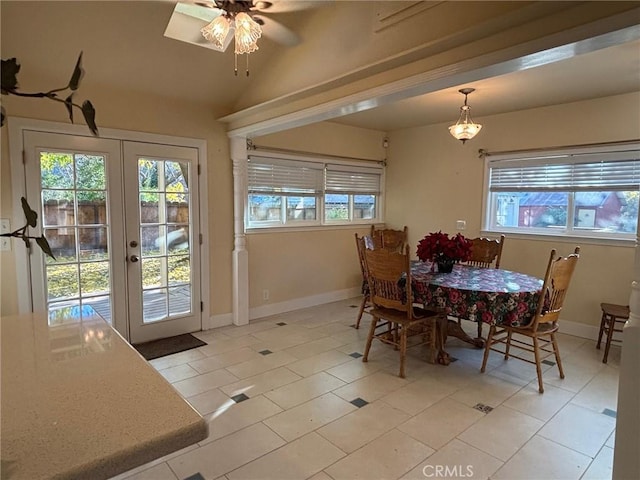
x: 352, y: 180
x: 602, y: 171
x: 278, y: 176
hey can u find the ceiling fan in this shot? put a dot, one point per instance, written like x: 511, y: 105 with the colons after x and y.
x: 214, y: 24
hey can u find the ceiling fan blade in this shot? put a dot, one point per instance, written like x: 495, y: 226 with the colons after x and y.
x: 277, y: 32
x: 279, y: 6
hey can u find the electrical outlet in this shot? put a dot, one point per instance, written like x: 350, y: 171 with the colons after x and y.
x: 461, y: 225
x: 265, y: 295
x: 5, y: 227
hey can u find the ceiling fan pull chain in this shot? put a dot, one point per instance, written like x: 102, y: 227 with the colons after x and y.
x: 235, y: 64
x: 247, y: 65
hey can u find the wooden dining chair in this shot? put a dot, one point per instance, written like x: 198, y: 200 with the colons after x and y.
x: 389, y: 238
x: 544, y: 325
x: 393, y: 307
x: 365, y: 304
x: 485, y: 253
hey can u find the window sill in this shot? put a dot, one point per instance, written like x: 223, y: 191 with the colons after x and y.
x: 310, y: 228
x: 562, y: 238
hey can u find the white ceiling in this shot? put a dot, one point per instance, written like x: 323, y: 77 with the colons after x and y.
x: 609, y: 71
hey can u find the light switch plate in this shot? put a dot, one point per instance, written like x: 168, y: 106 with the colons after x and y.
x: 5, y: 227
x: 461, y: 225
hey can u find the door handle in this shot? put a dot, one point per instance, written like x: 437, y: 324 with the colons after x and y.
x: 134, y: 258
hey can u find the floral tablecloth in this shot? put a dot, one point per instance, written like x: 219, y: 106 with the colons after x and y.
x: 490, y: 295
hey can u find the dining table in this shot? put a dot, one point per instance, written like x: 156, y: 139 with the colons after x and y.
x: 490, y: 295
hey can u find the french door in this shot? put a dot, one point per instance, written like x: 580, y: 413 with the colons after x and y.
x: 122, y: 220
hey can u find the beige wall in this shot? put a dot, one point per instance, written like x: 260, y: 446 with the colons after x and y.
x: 136, y: 111
x: 433, y: 180
x: 329, y: 138
x: 8, y: 286
x: 295, y: 265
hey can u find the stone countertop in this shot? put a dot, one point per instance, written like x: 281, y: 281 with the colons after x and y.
x: 77, y: 401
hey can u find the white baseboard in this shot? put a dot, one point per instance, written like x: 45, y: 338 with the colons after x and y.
x: 566, y: 326
x: 215, y: 321
x: 579, y: 329
x: 304, y: 302
x: 225, y: 319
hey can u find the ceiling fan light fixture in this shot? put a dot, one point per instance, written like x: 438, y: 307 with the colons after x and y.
x: 217, y: 31
x: 465, y: 129
x: 247, y: 33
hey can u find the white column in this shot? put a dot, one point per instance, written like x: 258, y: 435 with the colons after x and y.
x: 240, y: 255
x: 626, y: 457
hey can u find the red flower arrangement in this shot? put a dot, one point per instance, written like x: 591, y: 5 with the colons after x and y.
x: 439, y: 247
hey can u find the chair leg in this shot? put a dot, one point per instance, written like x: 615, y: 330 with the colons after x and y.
x: 536, y: 353
x: 480, y: 329
x: 403, y: 350
x: 508, y: 346
x: 556, y: 352
x: 363, y: 304
x: 602, y: 322
x: 372, y: 331
x: 396, y: 340
x: 487, y: 347
x: 611, y: 322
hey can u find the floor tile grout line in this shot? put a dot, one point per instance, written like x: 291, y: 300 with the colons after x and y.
x: 386, y: 369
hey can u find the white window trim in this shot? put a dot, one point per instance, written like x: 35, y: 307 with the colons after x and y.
x: 320, y: 222
x: 571, y: 235
x: 17, y: 125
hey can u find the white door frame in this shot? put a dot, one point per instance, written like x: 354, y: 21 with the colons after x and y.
x: 18, y: 125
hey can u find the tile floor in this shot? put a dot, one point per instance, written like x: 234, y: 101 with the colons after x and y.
x: 288, y: 397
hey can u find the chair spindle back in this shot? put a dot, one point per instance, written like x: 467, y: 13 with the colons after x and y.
x: 390, y: 239
x: 555, y: 287
x: 485, y: 252
x: 384, y: 269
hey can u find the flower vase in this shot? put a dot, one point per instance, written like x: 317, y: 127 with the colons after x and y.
x: 445, y: 265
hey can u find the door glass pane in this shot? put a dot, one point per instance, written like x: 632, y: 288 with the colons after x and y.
x: 92, y: 243
x: 179, y: 269
x: 74, y: 218
x: 94, y: 278
x: 152, y: 272
x: 151, y: 208
x: 180, y: 300
x: 152, y: 240
x: 165, y: 240
x: 63, y: 244
x: 90, y: 173
x: 178, y: 239
x: 62, y: 282
x: 155, y: 304
x: 92, y: 208
x: 57, y: 170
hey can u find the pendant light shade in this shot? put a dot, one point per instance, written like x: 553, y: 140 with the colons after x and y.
x: 465, y: 129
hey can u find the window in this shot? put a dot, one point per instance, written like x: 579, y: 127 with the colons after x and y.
x: 291, y: 193
x: 586, y: 192
x: 350, y: 193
